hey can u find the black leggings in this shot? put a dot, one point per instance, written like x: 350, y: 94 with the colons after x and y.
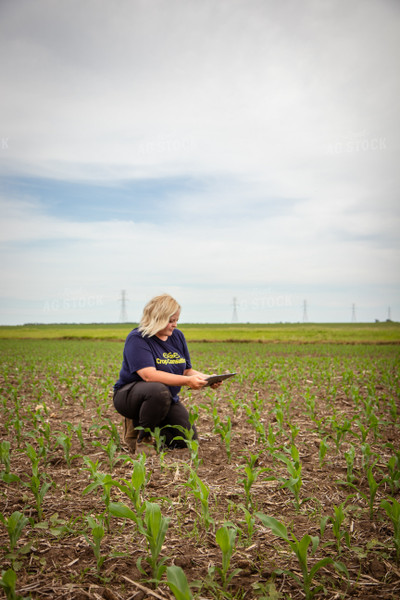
x: 149, y: 405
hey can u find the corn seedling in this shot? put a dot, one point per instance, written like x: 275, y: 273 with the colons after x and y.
x: 178, y: 583
x: 154, y: 527
x: 373, y: 488
x: 45, y: 431
x: 156, y: 433
x: 294, y: 430
x: 78, y: 430
x: 271, y: 438
x: 294, y: 468
x: 110, y: 449
x: 97, y: 531
x: 393, y: 409
x: 193, y: 415
x: 38, y: 487
x: 225, y: 538
x: 113, y: 430
x: 337, y: 521
x: 8, y: 583
x: 251, y: 473
x: 65, y: 441
x: 393, y: 478
x: 392, y: 509
x: 5, y: 456
x: 16, y: 423
x: 266, y: 591
x: 235, y: 403
x: 91, y: 466
x: 33, y: 456
x: 323, y: 449
x: 42, y: 447
x: 363, y: 431
x: 280, y: 417
x: 135, y: 487
x: 366, y: 455
x: 61, y: 527
x: 310, y: 403
x: 373, y: 424
x: 350, y: 455
x: 14, y: 525
x: 250, y: 522
x: 254, y: 419
x: 106, y: 482
x: 201, y: 492
x: 96, y: 428
x: 193, y: 445
x: 341, y: 429
x: 300, y: 549
x: 155, y: 530
x: 159, y: 439
x: 225, y: 431
x: 216, y: 420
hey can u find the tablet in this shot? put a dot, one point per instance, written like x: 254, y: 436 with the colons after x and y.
x: 216, y: 378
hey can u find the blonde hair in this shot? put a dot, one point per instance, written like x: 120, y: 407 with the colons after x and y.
x: 157, y: 313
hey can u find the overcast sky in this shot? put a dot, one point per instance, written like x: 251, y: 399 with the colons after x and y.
x: 215, y: 150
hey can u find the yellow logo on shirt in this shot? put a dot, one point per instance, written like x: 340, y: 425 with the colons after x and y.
x: 170, y: 358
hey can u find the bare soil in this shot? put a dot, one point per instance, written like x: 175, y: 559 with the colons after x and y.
x: 63, y: 566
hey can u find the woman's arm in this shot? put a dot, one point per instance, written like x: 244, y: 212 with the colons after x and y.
x: 194, y: 372
x: 195, y: 380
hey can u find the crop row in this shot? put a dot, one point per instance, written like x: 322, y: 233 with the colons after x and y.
x: 292, y: 491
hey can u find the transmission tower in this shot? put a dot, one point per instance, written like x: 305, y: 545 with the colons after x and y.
x: 353, y: 314
x: 234, y: 315
x: 389, y: 318
x: 123, y: 317
x: 305, y: 316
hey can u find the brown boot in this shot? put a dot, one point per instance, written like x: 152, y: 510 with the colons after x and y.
x: 130, y: 435
x: 146, y: 445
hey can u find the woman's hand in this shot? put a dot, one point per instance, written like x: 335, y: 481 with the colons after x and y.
x: 216, y: 385
x: 196, y: 382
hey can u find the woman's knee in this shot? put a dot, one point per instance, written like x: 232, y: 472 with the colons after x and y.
x: 155, y: 391
x: 153, y: 400
x: 129, y: 403
x: 121, y: 405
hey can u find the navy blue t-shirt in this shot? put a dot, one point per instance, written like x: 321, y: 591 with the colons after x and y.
x: 140, y: 352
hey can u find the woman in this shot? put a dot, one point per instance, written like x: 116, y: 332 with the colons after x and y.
x: 156, y: 364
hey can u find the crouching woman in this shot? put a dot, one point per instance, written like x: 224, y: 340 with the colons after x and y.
x: 155, y: 365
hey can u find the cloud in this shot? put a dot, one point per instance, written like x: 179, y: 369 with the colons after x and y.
x: 247, y: 87
x: 199, y: 146
x: 273, y: 246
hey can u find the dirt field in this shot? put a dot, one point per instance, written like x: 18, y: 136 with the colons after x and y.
x: 336, y: 407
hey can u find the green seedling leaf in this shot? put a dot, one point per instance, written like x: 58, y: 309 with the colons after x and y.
x: 8, y: 582
x: 274, y: 525
x: 318, y: 565
x: 178, y: 584
x: 14, y: 525
x: 117, y: 509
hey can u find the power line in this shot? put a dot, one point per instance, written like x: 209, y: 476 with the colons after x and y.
x: 353, y: 314
x: 305, y: 315
x: 123, y: 317
x: 234, y: 315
